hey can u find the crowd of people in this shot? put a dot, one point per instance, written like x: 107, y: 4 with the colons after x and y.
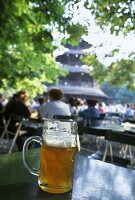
x: 20, y: 103
x: 55, y: 104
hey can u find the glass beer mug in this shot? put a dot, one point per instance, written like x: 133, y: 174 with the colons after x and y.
x: 58, y: 147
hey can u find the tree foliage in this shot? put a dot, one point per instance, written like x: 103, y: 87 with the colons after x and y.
x: 119, y: 15
x: 27, y: 41
x: 118, y: 95
x: 118, y: 73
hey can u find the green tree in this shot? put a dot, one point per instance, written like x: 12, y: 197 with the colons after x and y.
x: 119, y: 16
x: 118, y: 95
x: 117, y: 73
x: 27, y: 42
x: 125, y: 96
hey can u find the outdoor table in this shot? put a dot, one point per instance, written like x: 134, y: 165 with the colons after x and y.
x: 125, y: 135
x: 121, y: 134
x: 104, y: 130
x: 117, y: 128
x: 93, y: 180
x: 116, y: 133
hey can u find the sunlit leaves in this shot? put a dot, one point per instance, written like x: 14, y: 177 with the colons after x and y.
x: 27, y: 43
x: 75, y: 31
x: 119, y: 15
x: 99, y: 71
x: 118, y: 73
x: 123, y: 73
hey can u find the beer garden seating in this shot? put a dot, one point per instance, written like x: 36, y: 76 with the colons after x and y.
x: 7, y: 132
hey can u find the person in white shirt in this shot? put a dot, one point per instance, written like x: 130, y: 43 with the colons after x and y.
x: 55, y: 106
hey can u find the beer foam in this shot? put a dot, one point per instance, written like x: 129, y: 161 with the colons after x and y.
x: 59, y: 134
x: 60, y: 142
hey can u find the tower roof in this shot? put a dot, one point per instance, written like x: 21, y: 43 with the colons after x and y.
x: 82, y: 91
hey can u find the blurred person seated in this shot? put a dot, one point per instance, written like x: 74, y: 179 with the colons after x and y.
x: 39, y: 107
x: 32, y: 104
x: 17, y: 106
x: 129, y: 113
x: 100, y: 108
x: 91, y: 112
x: 41, y: 100
x: 79, y: 105
x: 55, y: 105
x: 73, y: 104
x: 84, y: 105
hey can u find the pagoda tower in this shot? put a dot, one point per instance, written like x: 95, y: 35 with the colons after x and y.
x: 78, y: 82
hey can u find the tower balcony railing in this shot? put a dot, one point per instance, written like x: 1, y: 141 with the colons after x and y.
x: 77, y: 68
x: 76, y: 83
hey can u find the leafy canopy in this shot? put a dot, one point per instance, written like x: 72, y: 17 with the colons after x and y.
x: 119, y: 17
x: 117, y: 73
x: 27, y: 42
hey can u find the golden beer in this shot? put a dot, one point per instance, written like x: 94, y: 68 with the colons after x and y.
x: 56, y: 168
x: 59, y: 144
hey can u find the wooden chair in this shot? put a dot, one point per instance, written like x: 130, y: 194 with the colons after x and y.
x: 7, y: 131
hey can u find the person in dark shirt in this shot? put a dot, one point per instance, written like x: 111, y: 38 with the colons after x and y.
x: 17, y: 106
x: 91, y: 112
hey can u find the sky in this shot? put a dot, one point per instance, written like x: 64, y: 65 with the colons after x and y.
x: 96, y: 37
x: 109, y: 42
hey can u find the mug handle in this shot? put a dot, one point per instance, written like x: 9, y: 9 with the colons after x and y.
x: 24, y: 154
